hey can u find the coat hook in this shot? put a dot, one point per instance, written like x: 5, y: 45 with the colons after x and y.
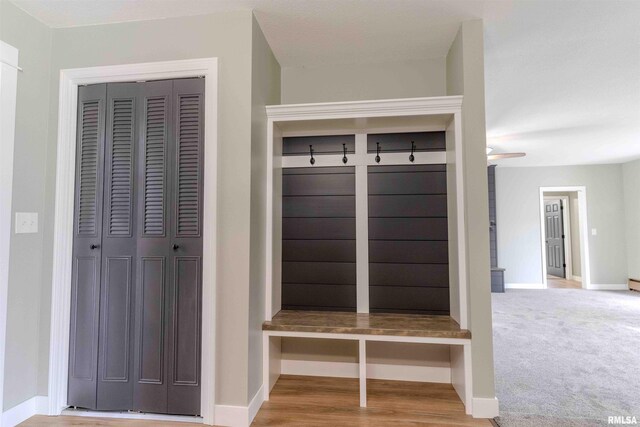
x: 413, y: 148
x: 312, y: 161
x: 344, y: 154
x: 377, y: 152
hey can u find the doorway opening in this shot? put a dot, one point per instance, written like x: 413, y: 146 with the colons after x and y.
x: 564, y: 239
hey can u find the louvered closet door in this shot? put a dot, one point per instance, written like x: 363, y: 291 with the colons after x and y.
x: 185, y: 302
x: 85, y: 286
x: 169, y: 276
x: 154, y: 250
x: 115, y: 357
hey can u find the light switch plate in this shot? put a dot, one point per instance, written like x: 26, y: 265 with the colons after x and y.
x: 26, y: 222
x: 594, y: 232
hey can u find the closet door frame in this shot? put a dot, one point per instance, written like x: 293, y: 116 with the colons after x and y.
x: 70, y: 80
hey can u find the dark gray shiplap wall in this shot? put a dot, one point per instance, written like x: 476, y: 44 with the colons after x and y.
x: 408, y: 240
x: 319, y: 239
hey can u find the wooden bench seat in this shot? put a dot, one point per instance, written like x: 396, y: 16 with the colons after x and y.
x: 403, y: 325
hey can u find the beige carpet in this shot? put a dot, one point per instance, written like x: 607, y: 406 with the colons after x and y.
x: 566, y: 357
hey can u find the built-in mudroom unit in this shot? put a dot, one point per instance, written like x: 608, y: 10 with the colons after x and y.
x: 136, y: 294
x: 366, y: 264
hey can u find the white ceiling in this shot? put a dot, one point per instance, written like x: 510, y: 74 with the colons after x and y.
x: 562, y: 77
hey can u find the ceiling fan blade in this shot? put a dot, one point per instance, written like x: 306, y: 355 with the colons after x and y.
x: 499, y: 156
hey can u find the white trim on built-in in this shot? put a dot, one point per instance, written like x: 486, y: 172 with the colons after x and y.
x: 583, y: 225
x: 8, y: 94
x: 362, y: 225
x: 37, y: 405
x: 63, y: 230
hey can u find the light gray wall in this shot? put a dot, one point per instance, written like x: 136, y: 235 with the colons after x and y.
x: 265, y: 90
x: 631, y: 181
x: 574, y: 228
x: 518, y: 212
x: 226, y: 36
x: 465, y: 76
x: 400, y: 79
x: 33, y: 39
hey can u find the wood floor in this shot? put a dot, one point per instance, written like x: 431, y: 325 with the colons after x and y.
x: 560, y: 283
x: 316, y: 401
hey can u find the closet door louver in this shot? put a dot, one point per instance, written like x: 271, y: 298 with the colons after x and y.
x: 185, y: 301
x: 153, y: 248
x: 137, y: 273
x: 85, y: 286
x: 115, y: 385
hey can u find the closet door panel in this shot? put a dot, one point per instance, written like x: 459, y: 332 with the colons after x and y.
x: 153, y: 246
x: 184, y: 300
x: 115, y: 360
x: 85, y: 286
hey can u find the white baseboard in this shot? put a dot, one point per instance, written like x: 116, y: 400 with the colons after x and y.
x: 485, y: 407
x: 577, y: 279
x: 524, y: 286
x: 608, y: 287
x: 131, y: 416
x: 35, y: 406
x: 379, y: 371
x: 239, y: 416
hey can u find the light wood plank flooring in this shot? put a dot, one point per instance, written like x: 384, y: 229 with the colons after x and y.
x: 560, y: 283
x: 317, y: 401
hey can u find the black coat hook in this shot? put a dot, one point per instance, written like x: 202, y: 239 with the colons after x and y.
x: 312, y: 161
x: 344, y: 154
x: 413, y: 148
x: 377, y: 152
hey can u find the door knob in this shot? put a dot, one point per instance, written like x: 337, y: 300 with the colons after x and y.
x: 94, y: 247
x: 176, y: 247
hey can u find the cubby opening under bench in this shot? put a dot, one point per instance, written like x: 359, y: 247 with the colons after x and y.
x: 365, y: 328
x: 366, y: 273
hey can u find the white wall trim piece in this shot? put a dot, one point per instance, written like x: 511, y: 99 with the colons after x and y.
x: 608, y: 287
x: 525, y: 286
x: 131, y: 416
x: 584, y: 232
x: 63, y: 229
x: 37, y: 405
x: 358, y: 109
x: 484, y: 407
x: 8, y: 94
x: 255, y: 404
x: 378, y: 371
x: 577, y: 279
x: 239, y: 416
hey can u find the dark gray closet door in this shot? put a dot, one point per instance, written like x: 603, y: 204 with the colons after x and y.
x: 85, y: 287
x: 115, y: 358
x: 154, y: 250
x: 169, y: 276
x: 185, y: 228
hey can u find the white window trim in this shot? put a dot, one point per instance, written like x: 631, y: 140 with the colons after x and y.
x: 8, y: 92
x: 70, y: 79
